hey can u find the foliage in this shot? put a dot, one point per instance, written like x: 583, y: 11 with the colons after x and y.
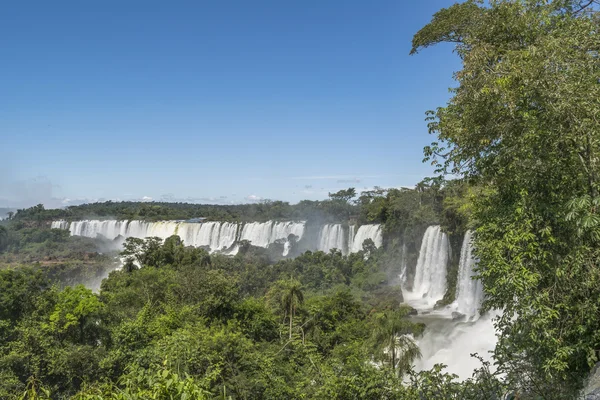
x: 523, y: 126
x: 181, y: 326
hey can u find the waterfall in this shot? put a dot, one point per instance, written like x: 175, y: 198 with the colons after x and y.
x: 429, y: 284
x: 59, y: 225
x: 365, y: 232
x: 469, y: 291
x: 351, y: 234
x: 262, y: 234
x: 449, y: 340
x: 403, y: 266
x: 223, y: 236
x: 332, y: 236
x: 218, y: 236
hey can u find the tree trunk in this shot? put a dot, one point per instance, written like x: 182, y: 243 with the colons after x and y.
x: 291, y: 318
x: 393, y: 349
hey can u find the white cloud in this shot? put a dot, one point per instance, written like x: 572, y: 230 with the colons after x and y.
x: 146, y: 198
x: 353, y: 178
x: 253, y: 197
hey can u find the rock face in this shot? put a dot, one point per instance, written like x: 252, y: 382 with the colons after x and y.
x: 592, y: 387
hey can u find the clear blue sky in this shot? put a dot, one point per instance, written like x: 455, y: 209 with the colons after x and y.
x: 222, y: 101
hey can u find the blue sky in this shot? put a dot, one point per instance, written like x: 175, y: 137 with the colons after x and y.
x: 227, y: 101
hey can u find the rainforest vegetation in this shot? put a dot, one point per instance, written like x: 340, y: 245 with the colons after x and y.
x: 520, y: 140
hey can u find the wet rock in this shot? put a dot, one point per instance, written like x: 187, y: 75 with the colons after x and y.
x: 591, y: 391
x: 457, y: 316
x: 411, y: 310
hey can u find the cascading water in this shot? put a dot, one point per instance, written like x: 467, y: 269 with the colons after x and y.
x: 223, y: 236
x: 365, y: 232
x: 262, y: 234
x: 469, y: 291
x: 332, y: 237
x: 60, y: 225
x: 447, y: 340
x: 218, y: 236
x: 451, y: 343
x: 403, y: 266
x: 351, y: 234
x: 429, y: 284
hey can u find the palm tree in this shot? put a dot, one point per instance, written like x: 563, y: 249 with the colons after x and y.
x: 394, y: 341
x: 291, y: 298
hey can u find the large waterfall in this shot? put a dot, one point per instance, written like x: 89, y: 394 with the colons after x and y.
x: 332, y: 237
x: 429, y: 284
x: 365, y: 232
x: 223, y: 236
x: 469, y: 291
x: 215, y: 235
x: 449, y: 340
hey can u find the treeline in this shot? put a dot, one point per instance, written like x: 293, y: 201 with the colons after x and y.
x: 192, y: 325
x: 393, y: 207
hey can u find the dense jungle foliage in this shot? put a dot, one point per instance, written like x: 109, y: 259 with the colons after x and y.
x: 192, y: 325
x: 522, y: 135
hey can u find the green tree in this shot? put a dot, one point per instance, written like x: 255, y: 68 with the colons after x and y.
x: 3, y: 238
x: 77, y: 315
x: 292, y: 298
x: 523, y: 125
x: 393, y: 338
x: 286, y: 295
x: 344, y: 195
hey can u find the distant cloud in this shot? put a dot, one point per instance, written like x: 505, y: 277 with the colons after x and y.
x: 253, y: 197
x: 353, y: 180
x: 146, y: 198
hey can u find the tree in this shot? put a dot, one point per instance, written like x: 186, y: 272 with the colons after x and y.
x: 76, y: 315
x: 292, y: 298
x: 344, y: 195
x: 523, y: 125
x: 3, y: 238
x: 143, y: 252
x: 394, y: 341
x: 286, y: 295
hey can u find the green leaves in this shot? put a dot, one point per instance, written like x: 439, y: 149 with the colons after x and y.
x: 523, y: 125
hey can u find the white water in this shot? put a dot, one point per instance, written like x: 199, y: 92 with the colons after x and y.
x: 218, y: 236
x: 447, y: 341
x: 452, y: 343
x: 365, y: 232
x: 351, y: 234
x: 262, y: 234
x: 223, y: 236
x: 429, y: 284
x: 331, y: 237
x: 403, y: 266
x: 469, y: 291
